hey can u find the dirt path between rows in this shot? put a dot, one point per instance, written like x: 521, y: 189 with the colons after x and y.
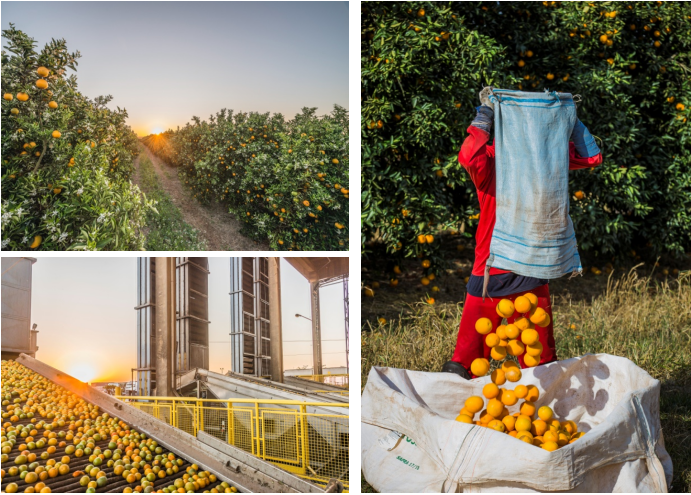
x: 215, y: 224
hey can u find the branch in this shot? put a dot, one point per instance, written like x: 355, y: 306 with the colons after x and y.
x: 38, y: 163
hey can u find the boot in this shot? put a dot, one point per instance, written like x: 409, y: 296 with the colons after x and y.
x: 454, y: 367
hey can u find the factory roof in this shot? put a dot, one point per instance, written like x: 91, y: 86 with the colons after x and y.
x: 315, y: 269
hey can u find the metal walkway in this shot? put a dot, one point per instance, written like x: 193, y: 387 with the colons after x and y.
x: 300, y: 431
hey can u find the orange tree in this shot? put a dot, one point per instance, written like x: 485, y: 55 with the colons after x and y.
x: 423, y: 64
x: 66, y: 160
x: 287, y: 181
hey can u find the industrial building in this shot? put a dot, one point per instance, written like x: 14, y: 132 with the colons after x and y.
x: 173, y: 326
x: 173, y: 361
x: 18, y: 336
x: 253, y: 413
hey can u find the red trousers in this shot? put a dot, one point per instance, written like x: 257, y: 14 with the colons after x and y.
x: 471, y: 345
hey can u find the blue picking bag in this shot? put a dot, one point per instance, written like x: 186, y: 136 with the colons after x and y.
x: 533, y: 234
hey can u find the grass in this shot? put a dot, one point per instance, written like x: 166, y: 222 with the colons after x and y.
x: 167, y: 230
x: 644, y: 319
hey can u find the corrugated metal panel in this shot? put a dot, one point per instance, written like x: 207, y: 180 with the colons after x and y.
x: 146, y: 301
x: 250, y: 335
x: 236, y: 316
x: 346, y: 314
x: 316, y: 269
x: 262, y: 324
x: 192, y: 324
x: 16, y: 304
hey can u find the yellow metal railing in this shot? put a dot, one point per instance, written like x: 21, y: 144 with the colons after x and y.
x: 337, y: 380
x: 312, y: 445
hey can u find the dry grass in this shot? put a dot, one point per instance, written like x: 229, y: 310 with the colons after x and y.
x: 646, y: 321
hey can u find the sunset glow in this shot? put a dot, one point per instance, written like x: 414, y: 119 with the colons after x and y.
x: 219, y: 72
x: 96, y: 341
x: 83, y: 372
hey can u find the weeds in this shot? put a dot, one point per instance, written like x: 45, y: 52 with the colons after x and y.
x: 167, y: 229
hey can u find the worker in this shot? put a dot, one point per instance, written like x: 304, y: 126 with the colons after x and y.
x: 478, y: 158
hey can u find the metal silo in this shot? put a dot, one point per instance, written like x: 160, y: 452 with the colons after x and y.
x: 17, y: 334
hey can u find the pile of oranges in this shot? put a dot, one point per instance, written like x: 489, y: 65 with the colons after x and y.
x: 49, y: 433
x: 515, y: 339
x: 530, y: 424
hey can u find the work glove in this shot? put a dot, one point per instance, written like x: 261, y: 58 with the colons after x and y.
x: 484, y: 96
x: 585, y: 144
x: 484, y: 118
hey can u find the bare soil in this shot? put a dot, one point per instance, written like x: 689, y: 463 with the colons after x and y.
x: 215, y: 224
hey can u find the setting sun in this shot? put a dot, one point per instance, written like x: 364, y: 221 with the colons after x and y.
x: 83, y: 372
x: 156, y: 130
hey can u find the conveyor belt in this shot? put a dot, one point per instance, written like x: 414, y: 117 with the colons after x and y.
x: 68, y: 483
x: 310, y: 385
x: 242, y: 473
x: 242, y: 387
x: 298, y: 386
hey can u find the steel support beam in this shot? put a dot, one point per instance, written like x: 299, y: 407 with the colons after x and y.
x: 316, y: 330
x: 146, y: 321
x: 276, y: 331
x: 346, y: 315
x: 266, y: 468
x: 165, y: 326
x: 237, y: 340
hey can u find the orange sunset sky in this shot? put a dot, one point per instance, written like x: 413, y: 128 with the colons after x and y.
x: 84, y: 309
x: 168, y: 61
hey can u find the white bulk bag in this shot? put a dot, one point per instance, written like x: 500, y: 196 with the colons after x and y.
x: 412, y: 443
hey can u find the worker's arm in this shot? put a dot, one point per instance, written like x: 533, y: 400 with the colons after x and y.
x: 577, y: 162
x: 473, y: 154
x: 583, y: 151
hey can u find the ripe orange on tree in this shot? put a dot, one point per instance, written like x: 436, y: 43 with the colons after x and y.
x: 36, y: 168
x: 383, y: 187
x: 288, y: 184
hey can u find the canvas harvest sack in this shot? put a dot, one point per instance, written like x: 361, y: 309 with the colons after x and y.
x: 533, y: 234
x: 412, y: 443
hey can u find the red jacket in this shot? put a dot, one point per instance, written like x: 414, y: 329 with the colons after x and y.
x: 478, y: 159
